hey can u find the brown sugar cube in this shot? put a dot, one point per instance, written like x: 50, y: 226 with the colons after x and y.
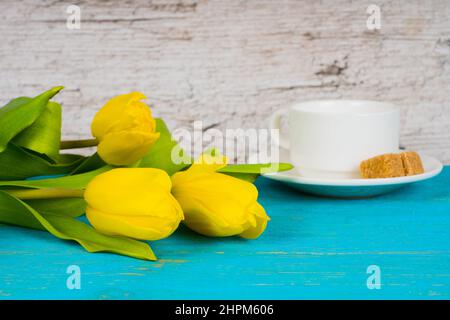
x: 383, y: 166
x: 412, y: 163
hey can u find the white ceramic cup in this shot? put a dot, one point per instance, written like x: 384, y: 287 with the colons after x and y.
x: 330, y: 138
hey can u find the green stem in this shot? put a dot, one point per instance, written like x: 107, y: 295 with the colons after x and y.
x: 75, y: 144
x: 48, y: 193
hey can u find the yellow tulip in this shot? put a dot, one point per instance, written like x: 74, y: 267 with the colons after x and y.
x: 216, y: 204
x: 133, y: 202
x: 125, y: 129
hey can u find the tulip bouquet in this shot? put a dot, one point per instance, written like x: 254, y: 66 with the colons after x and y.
x: 130, y: 189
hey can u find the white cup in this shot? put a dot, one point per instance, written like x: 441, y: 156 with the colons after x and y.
x: 330, y: 138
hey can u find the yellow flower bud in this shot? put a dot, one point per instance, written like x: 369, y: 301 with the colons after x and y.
x: 216, y: 204
x: 133, y: 202
x: 125, y: 129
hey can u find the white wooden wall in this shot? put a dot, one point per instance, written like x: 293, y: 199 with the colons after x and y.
x: 231, y: 63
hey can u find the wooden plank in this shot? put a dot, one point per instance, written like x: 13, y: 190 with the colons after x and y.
x: 312, y: 248
x: 232, y: 63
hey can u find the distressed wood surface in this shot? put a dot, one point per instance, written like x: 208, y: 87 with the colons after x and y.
x: 313, y: 248
x: 232, y: 63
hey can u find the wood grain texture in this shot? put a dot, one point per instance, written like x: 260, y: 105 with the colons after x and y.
x: 313, y: 248
x: 232, y: 63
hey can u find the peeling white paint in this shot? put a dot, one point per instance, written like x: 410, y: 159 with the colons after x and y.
x: 232, y: 63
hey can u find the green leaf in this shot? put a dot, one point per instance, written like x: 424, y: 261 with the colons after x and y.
x: 21, y: 113
x: 17, y: 163
x: 78, y: 181
x: 16, y: 212
x: 256, y: 168
x: 71, y: 207
x: 251, y: 172
x: 44, y: 135
x: 250, y: 177
x: 90, y: 163
x: 68, y: 158
x: 160, y: 155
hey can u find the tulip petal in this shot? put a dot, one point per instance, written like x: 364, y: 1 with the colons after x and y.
x: 218, y: 205
x: 136, y: 191
x: 255, y: 232
x: 137, y: 227
x: 112, y: 112
x: 213, y: 209
x: 125, y: 147
x: 261, y: 222
x: 209, y: 163
x: 125, y: 129
x: 136, y: 117
x: 221, y: 186
x: 133, y: 202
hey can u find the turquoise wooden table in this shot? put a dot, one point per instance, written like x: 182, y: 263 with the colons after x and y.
x: 313, y: 248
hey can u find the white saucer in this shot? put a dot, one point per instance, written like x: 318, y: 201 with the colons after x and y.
x: 354, y: 188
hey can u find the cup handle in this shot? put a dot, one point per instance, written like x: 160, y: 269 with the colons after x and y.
x: 275, y: 123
